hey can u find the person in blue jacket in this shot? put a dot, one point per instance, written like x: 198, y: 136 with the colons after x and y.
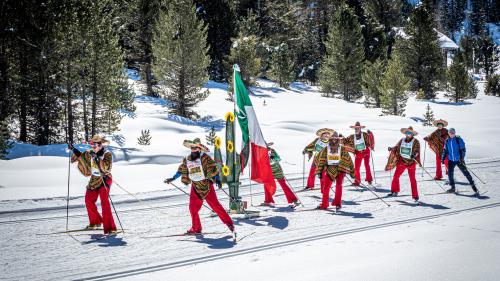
x: 454, y: 150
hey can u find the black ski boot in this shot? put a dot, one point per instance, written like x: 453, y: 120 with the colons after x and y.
x: 451, y: 190
x: 476, y: 192
x: 393, y: 194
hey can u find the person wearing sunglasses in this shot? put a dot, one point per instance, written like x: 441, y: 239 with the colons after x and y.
x: 405, y: 156
x: 96, y: 163
x: 200, y: 171
x: 454, y: 152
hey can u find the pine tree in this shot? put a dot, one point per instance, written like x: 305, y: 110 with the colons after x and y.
x: 281, y: 29
x: 179, y: 47
x: 394, y: 88
x: 493, y: 86
x: 212, y: 134
x: 421, y: 53
x: 282, y: 66
x: 388, y: 14
x: 244, y: 53
x: 221, y: 22
x: 342, y: 68
x: 452, y: 15
x: 487, y: 54
x: 145, y: 138
x: 468, y: 45
x: 477, y: 18
x: 372, y: 81
x: 5, y: 142
x: 461, y: 85
x: 428, y: 116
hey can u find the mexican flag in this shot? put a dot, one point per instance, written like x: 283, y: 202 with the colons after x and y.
x: 253, y: 140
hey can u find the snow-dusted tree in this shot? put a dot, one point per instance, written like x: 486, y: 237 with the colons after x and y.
x: 342, y: 68
x: 428, y: 116
x: 461, y: 85
x: 180, y: 50
x: 5, y: 143
x: 282, y: 66
x: 211, y: 136
x: 145, y: 138
x: 420, y: 52
x: 493, y: 86
x: 371, y: 82
x: 394, y: 88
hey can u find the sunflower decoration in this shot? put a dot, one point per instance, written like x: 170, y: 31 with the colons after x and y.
x: 225, y: 170
x: 230, y: 146
x: 229, y: 116
x: 217, y: 142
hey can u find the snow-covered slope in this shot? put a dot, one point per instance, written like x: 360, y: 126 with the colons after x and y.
x: 290, y: 119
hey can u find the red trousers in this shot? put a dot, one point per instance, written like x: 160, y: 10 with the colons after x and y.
x: 360, y: 156
x: 94, y: 216
x: 290, y: 196
x: 195, y: 204
x: 439, y: 171
x: 400, y: 168
x: 325, y: 190
x: 312, y: 177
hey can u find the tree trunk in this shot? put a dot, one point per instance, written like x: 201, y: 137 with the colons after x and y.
x: 94, y: 101
x: 23, y: 96
x: 69, y: 109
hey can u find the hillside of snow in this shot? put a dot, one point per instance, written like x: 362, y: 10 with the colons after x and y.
x: 290, y: 119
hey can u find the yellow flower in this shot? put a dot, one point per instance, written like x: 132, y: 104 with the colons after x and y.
x: 230, y: 116
x: 225, y: 170
x: 230, y: 146
x: 217, y: 142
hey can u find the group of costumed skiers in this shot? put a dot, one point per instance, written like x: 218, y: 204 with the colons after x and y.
x: 332, y: 162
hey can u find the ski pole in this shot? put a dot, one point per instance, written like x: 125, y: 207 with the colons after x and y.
x: 373, y: 165
x: 364, y: 186
x: 291, y: 188
x: 140, y: 200
x: 67, y: 197
x: 303, y: 171
x: 204, y: 205
x: 112, y: 204
x: 474, y: 174
x: 425, y: 149
x: 423, y: 169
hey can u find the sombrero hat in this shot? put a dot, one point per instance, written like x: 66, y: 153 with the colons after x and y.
x: 325, y: 130
x: 336, y: 136
x: 409, y: 129
x: 195, y: 143
x: 99, y: 139
x: 436, y: 122
x: 357, y: 125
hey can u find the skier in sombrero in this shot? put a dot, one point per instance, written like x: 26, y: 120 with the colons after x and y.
x: 436, y: 143
x: 323, y: 136
x: 405, y: 156
x: 96, y: 163
x: 278, y: 175
x: 200, y: 170
x: 361, y: 144
x: 332, y: 164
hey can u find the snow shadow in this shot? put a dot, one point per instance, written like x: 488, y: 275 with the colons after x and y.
x: 278, y: 222
x: 450, y: 102
x: 156, y: 101
x: 354, y: 215
x: 215, y: 85
x: 224, y: 242
x: 152, y: 159
x: 480, y: 197
x: 102, y: 241
x: 423, y: 204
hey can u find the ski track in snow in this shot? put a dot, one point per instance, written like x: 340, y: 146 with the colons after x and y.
x: 130, y: 254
